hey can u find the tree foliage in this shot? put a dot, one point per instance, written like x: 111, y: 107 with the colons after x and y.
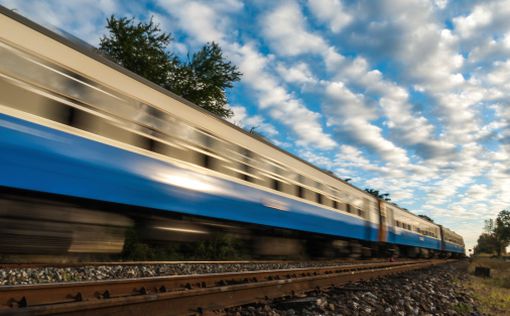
x: 379, y: 195
x: 204, y: 78
x: 425, y: 217
x: 497, y: 234
x: 143, y: 48
x: 486, y: 244
x: 139, y: 47
x: 503, y: 225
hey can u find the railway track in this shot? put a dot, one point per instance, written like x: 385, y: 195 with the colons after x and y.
x: 43, y: 264
x: 186, y: 294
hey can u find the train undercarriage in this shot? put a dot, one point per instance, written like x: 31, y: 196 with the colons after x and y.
x: 40, y: 226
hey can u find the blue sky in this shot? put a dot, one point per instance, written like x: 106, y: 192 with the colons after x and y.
x: 409, y: 97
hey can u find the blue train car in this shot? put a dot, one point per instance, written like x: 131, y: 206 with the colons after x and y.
x: 74, y: 124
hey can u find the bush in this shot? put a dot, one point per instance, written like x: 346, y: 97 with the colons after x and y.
x: 218, y: 247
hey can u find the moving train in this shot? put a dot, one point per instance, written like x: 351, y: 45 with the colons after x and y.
x: 90, y: 149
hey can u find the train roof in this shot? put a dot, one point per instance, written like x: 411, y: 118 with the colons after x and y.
x: 92, y: 52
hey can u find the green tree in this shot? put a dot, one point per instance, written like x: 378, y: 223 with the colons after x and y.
x: 486, y: 244
x: 143, y: 49
x: 503, y: 225
x: 499, y: 230
x: 379, y: 195
x: 204, y: 78
x: 425, y: 217
x: 139, y: 47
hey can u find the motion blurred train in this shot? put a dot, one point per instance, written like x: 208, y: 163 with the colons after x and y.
x: 89, y: 150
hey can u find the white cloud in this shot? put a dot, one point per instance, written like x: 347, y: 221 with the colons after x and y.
x: 331, y: 12
x: 256, y: 122
x: 500, y: 76
x: 299, y: 73
x: 410, y: 127
x: 286, y: 32
x: 272, y: 97
x: 63, y: 15
x: 441, y: 4
x: 480, y: 17
x: 200, y: 19
x: 348, y: 112
x: 281, y: 105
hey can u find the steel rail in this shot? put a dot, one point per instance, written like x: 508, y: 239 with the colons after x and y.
x: 184, y: 295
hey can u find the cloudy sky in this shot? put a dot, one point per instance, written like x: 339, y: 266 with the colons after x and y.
x: 406, y: 96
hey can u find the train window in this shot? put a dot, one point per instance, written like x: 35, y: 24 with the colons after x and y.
x: 245, y: 152
x: 206, y: 161
x: 279, y: 170
x: 207, y: 140
x: 300, y: 191
x: 326, y: 200
x: 277, y: 185
x: 87, y: 121
x: 246, y: 177
x: 318, y: 198
x: 348, y: 208
x: 335, y: 204
x: 361, y: 213
x: 342, y: 206
x: 246, y: 171
x: 151, y: 144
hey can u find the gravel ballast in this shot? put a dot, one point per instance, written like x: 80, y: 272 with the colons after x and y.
x: 19, y: 276
x: 434, y: 291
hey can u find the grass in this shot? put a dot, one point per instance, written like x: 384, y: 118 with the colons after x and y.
x: 492, y: 294
x: 463, y: 309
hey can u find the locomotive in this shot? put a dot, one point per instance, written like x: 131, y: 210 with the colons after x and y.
x: 90, y: 149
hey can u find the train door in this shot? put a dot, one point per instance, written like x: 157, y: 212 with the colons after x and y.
x: 391, y: 224
x: 383, y: 222
x: 441, y: 233
x: 366, y: 214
